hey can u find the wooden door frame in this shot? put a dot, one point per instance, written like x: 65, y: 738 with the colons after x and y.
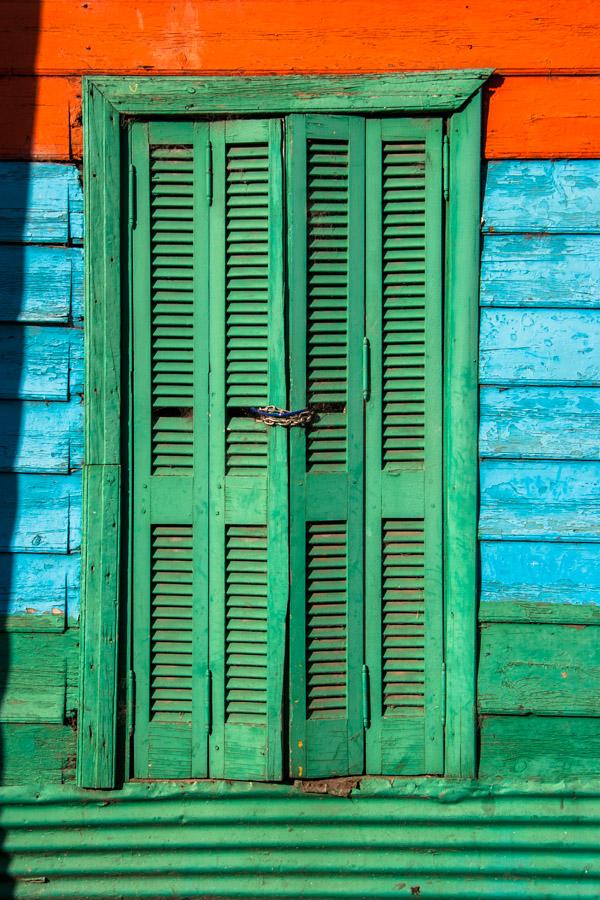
x: 108, y: 103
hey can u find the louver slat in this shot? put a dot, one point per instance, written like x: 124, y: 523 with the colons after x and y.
x: 327, y: 302
x: 171, y: 668
x: 247, y: 274
x: 326, y: 650
x: 403, y: 615
x: 246, y: 643
x: 403, y: 573
x: 172, y: 309
x: 403, y: 301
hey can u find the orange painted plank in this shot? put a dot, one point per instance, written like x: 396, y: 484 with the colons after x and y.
x: 543, y: 117
x: 40, y: 118
x: 69, y: 36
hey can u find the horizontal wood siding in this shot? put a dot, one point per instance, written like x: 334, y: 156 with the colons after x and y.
x: 41, y: 454
x: 538, y: 684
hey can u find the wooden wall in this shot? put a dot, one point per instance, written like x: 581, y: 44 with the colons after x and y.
x: 539, y: 670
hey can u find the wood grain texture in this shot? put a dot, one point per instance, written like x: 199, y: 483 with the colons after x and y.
x: 540, y: 500
x: 41, y: 363
x: 299, y: 35
x: 37, y: 436
x: 40, y: 513
x: 41, y: 284
x: 40, y: 118
x: 539, y: 422
x: 41, y: 203
x: 39, y: 591
x: 539, y: 669
x: 39, y: 675
x: 535, y: 746
x: 542, y: 195
x: 38, y: 754
x: 543, y: 117
x: 541, y: 270
x: 539, y: 573
x: 539, y: 347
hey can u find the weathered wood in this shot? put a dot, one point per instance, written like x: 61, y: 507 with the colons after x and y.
x: 539, y: 579
x: 540, y: 346
x: 299, y: 35
x: 537, y: 747
x: 40, y: 513
x: 541, y: 270
x: 539, y: 500
x: 39, y: 591
x: 460, y: 438
x: 41, y: 203
x: 98, y: 678
x: 38, y: 118
x: 39, y: 675
x: 542, y: 195
x: 544, y: 117
x: 539, y: 669
x: 42, y: 754
x: 407, y: 91
x: 540, y: 422
x: 37, y: 436
x: 41, y: 284
x: 40, y: 363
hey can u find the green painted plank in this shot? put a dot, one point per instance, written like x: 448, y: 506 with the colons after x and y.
x: 460, y: 438
x: 539, y: 669
x: 409, y: 91
x: 539, y: 747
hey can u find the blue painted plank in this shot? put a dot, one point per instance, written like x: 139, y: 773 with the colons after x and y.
x: 40, y: 513
x: 542, y: 195
x: 540, y: 422
x: 554, y: 501
x: 540, y: 572
x: 37, y: 436
x: 41, y: 203
x: 541, y: 270
x: 40, y: 362
x: 41, y: 284
x: 540, y: 346
x: 36, y: 585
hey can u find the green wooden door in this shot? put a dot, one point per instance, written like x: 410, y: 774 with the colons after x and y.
x: 404, y: 429
x: 326, y: 193
x: 227, y: 525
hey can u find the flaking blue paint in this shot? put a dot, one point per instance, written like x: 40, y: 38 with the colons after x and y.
x: 41, y: 362
x: 41, y: 203
x: 41, y: 284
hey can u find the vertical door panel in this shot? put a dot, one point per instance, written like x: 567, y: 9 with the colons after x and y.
x: 325, y: 169
x: 404, y: 446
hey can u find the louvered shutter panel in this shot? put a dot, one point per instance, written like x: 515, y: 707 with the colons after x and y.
x: 169, y: 450
x: 248, y: 471
x: 404, y: 446
x: 325, y: 168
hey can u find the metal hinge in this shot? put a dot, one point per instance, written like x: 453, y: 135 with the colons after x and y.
x: 132, y: 197
x: 209, y: 173
x: 446, y: 167
x: 366, y: 369
x: 130, y: 703
x: 366, y: 706
x: 443, y: 697
x: 208, y: 701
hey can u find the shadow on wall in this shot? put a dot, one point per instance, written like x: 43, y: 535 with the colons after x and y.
x: 17, y: 112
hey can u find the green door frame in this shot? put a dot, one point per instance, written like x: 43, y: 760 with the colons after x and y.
x: 107, y: 102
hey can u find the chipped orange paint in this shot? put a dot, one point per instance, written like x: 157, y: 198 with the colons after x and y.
x: 529, y: 115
